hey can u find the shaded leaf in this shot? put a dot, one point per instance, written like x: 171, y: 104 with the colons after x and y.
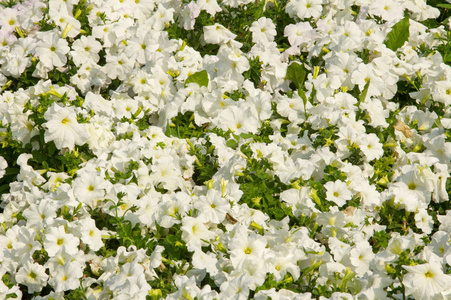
x: 296, y: 73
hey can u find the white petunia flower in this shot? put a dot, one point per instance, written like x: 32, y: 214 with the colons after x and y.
x: 3, y: 166
x: 217, y: 34
x: 63, y: 128
x: 189, y: 14
x: 244, y: 246
x: 371, y: 147
x: 424, y: 221
x: 305, y: 9
x: 85, y: 49
x: 205, y: 261
x: 337, y: 192
x: 238, y: 120
x: 40, y: 214
x: 210, y: 6
x: 212, y: 207
x: 57, y: 239
x: 89, y: 187
x: 194, y: 232
x: 360, y: 257
x: 90, y: 234
x: 52, y: 50
x: 426, y: 281
x: 66, y: 277
x: 389, y: 10
x: 33, y: 276
x: 237, y: 288
x: 263, y: 30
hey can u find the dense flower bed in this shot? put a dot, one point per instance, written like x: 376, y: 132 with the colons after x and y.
x: 278, y: 149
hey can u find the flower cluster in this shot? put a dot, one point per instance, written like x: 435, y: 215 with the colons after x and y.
x: 291, y: 149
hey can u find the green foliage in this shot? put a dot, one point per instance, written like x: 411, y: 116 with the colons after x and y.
x: 402, y: 96
x: 9, y: 282
x: 261, y: 190
x: 37, y: 112
x: 333, y: 173
x: 443, y: 18
x: 175, y: 247
x: 183, y: 127
x: 325, y: 137
x: 175, y: 251
x: 254, y: 72
x: 440, y: 208
x: 396, y: 219
x: 62, y: 78
x: 379, y: 240
x: 318, y: 195
x: 82, y: 11
x: 444, y: 48
x: 79, y: 293
x: 143, y: 123
x: 238, y: 20
x: 383, y: 171
x: 25, y: 79
x: 297, y: 73
x: 356, y: 156
x: 396, y: 271
x: 262, y: 137
x: 126, y: 234
x: 206, y: 163
x: 398, y: 35
x: 123, y: 177
x: 270, y: 282
x: 193, y: 38
x: 69, y: 215
x: 235, y: 95
x: 10, y: 176
x: 9, y: 3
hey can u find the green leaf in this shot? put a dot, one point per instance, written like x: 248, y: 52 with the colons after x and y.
x: 296, y: 73
x: 52, y: 149
x: 232, y: 144
x: 301, y: 93
x: 201, y: 78
x: 39, y: 157
x: 245, y: 135
x: 447, y: 6
x: 364, y: 92
x: 12, y: 171
x: 398, y: 34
